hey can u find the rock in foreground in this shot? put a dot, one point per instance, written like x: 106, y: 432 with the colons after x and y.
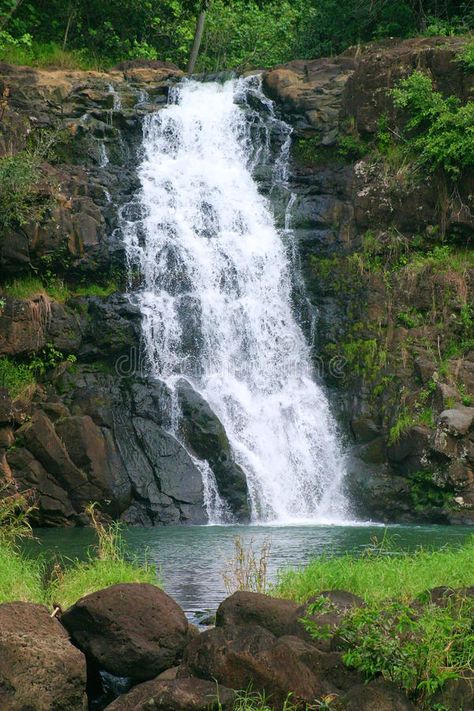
x: 134, y: 630
x: 177, y: 695
x: 40, y: 670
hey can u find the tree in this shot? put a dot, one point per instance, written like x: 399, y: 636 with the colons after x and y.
x: 198, y: 36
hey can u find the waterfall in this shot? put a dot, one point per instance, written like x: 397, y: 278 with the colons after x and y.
x: 216, y: 295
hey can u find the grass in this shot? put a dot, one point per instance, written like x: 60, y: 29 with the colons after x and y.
x: 106, y: 565
x: 87, y: 577
x: 30, y: 286
x: 378, y: 576
x: 96, y: 290
x: 49, y: 55
x: 21, y: 579
x: 17, y: 378
x: 24, y: 578
x: 258, y: 701
x: 248, y: 568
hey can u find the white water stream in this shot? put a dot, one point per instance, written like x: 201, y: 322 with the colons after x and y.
x: 216, y: 297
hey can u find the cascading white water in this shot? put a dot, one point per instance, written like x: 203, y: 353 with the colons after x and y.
x: 216, y: 298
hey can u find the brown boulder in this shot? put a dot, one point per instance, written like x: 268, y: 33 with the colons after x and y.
x: 134, y: 629
x: 249, y: 608
x: 250, y: 656
x: 379, y: 695
x: 23, y: 324
x: 40, y: 670
x: 176, y: 695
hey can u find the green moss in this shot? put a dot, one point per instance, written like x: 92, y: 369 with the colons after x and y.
x: 425, y: 492
x: 96, y: 289
x: 365, y: 357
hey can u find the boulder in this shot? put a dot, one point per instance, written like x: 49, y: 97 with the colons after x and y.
x: 248, y: 608
x: 250, y: 656
x: 176, y: 695
x: 207, y: 438
x: 456, y: 694
x: 134, y: 630
x: 378, y: 695
x: 23, y: 324
x: 457, y: 421
x: 331, y: 606
x: 40, y: 670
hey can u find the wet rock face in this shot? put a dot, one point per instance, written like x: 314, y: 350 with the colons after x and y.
x: 40, y: 669
x: 96, y: 427
x: 385, y: 327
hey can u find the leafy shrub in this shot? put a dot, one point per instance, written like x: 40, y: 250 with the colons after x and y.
x: 417, y: 650
x: 439, y: 130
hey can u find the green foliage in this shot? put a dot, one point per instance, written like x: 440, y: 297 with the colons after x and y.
x: 15, y: 508
x: 90, y: 34
x: 24, y: 288
x: 100, y: 290
x: 20, y: 195
x: 379, y: 576
x: 439, y: 130
x: 249, y: 34
x: 365, y: 357
x: 23, y: 578
x: 466, y: 57
x: 351, y: 147
x: 20, y: 579
x: 419, y: 650
x: 17, y: 378
x: 30, y: 286
x: 46, y: 359
x: 426, y: 492
x: 403, y: 423
x: 410, y: 318
x: 258, y: 701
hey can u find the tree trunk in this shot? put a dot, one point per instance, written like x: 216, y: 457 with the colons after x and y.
x: 198, y: 37
x: 68, y: 25
x: 5, y: 19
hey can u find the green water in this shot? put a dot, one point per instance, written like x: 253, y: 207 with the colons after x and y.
x: 191, y: 558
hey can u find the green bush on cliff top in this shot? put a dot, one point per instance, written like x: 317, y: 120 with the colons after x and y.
x: 439, y: 130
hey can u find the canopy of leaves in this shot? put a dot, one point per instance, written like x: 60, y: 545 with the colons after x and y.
x: 242, y: 33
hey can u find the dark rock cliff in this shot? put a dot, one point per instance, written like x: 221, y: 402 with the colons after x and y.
x: 387, y: 259
x: 92, y: 425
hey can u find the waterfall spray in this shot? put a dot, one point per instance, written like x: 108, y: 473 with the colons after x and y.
x: 216, y: 296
